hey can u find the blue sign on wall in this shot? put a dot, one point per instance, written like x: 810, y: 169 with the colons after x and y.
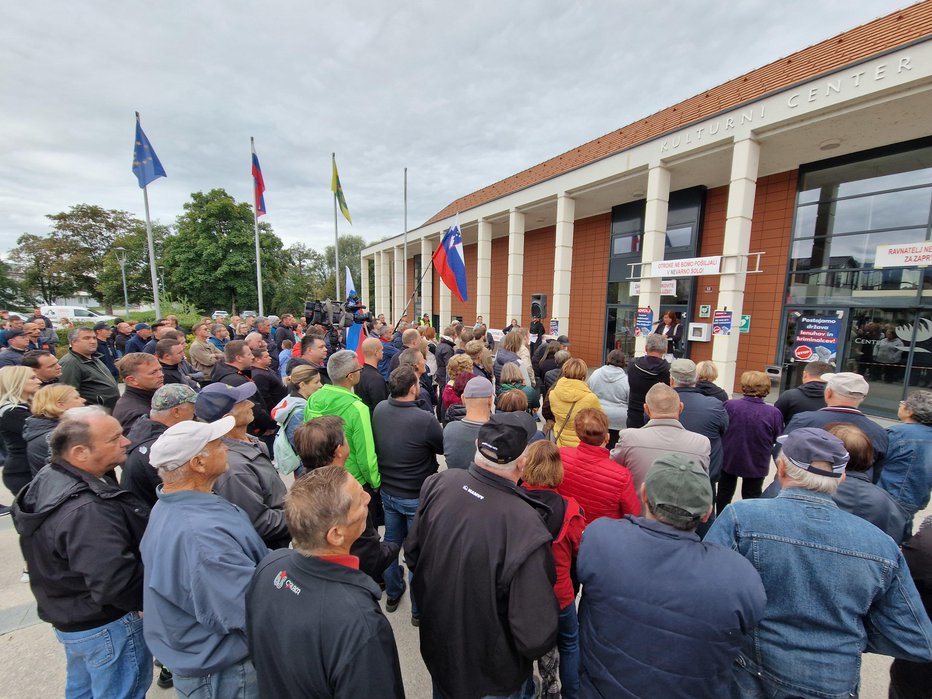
x: 644, y: 322
x: 721, y: 323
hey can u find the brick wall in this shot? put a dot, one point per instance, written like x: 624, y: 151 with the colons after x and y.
x: 770, y: 232
x: 588, y: 287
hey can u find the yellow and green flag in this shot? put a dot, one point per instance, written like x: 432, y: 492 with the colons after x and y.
x: 338, y: 192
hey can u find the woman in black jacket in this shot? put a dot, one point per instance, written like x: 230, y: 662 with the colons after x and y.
x: 670, y: 327
x: 18, y: 384
x: 48, y: 405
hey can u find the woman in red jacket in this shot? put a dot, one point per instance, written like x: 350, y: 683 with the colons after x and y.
x: 602, y: 487
x: 543, y: 473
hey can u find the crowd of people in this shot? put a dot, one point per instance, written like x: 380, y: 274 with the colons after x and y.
x: 579, y: 540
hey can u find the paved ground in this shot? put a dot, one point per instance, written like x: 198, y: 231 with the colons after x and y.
x: 32, y: 663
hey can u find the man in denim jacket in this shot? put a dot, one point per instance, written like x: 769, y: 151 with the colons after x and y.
x: 836, y: 585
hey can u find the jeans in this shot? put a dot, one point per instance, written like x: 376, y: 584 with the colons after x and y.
x: 234, y: 682
x: 107, y: 661
x: 568, y: 645
x: 525, y: 691
x: 399, y: 516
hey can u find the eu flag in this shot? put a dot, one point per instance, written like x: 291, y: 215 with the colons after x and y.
x: 146, y: 165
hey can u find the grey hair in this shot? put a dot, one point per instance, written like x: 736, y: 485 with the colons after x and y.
x: 486, y: 463
x: 341, y: 364
x: 72, y: 334
x: 655, y: 343
x: 254, y: 335
x: 808, y: 480
x: 73, y: 430
x: 919, y: 403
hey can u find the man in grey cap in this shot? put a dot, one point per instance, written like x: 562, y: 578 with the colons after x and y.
x: 836, y: 585
x: 459, y: 436
x: 199, y: 553
x: 16, y: 343
x: 844, y: 393
x: 701, y: 414
x: 251, y: 481
x: 630, y: 615
x: 171, y: 404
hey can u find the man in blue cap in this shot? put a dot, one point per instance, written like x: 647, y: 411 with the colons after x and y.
x: 836, y: 585
x: 137, y: 342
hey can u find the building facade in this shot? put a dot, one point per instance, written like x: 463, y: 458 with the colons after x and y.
x: 793, y: 203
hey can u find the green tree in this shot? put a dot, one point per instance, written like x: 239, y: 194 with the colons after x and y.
x: 350, y: 248
x: 210, y: 259
x: 42, y: 262
x: 11, y: 291
x: 302, y: 280
x: 138, y: 279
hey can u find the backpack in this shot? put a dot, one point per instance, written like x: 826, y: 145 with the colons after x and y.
x: 283, y: 454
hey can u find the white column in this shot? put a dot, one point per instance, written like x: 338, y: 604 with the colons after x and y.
x: 562, y: 263
x: 398, y: 300
x: 484, y: 270
x: 427, y: 285
x: 375, y: 303
x: 655, y: 233
x: 385, y: 287
x: 363, y: 288
x: 514, y: 301
x: 739, y: 213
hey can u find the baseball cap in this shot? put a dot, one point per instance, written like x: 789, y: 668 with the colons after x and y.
x: 142, y: 326
x: 101, y: 326
x: 503, y: 438
x: 14, y: 332
x: 683, y: 370
x: 182, y: 442
x: 564, y: 340
x: 478, y: 387
x: 807, y: 444
x: 172, y: 395
x: 217, y: 399
x: 678, y: 488
x: 847, y: 383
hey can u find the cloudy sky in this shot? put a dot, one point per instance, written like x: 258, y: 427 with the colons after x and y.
x: 461, y: 93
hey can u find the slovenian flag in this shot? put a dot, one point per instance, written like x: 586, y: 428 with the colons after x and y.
x: 354, y: 338
x: 449, y: 261
x: 258, y: 182
x: 350, y: 287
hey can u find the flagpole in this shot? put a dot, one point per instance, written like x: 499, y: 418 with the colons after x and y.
x: 417, y: 288
x: 336, y: 239
x: 404, y: 274
x: 155, y: 279
x: 255, y: 219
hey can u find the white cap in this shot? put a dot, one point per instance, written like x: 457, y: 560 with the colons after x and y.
x: 182, y: 442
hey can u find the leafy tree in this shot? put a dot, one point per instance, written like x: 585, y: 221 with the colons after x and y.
x: 11, y: 291
x: 350, y: 248
x: 42, y: 262
x: 211, y: 257
x: 138, y: 279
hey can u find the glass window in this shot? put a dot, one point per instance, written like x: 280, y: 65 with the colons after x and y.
x: 847, y: 251
x: 906, y: 169
x: 908, y: 207
x: 679, y: 236
x: 81, y: 313
x: 879, y: 345
x: 854, y: 287
x: 920, y: 374
x: 626, y: 244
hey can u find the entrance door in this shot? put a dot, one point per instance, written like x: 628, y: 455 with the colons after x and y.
x: 619, y: 332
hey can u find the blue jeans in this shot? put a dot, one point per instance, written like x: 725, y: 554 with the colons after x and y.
x: 234, y: 682
x: 107, y: 661
x: 568, y: 645
x: 399, y: 516
x: 525, y: 691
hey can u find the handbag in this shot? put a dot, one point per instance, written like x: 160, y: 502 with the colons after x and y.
x: 566, y: 420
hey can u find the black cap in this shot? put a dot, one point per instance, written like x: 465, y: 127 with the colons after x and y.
x: 503, y: 438
x: 14, y: 332
x: 102, y: 326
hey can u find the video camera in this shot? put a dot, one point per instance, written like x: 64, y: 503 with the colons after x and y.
x: 335, y: 314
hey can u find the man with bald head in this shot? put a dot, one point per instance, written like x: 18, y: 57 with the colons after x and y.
x: 371, y: 387
x: 410, y: 338
x: 639, y: 447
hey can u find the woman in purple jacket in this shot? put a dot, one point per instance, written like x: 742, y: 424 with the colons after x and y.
x: 753, y: 429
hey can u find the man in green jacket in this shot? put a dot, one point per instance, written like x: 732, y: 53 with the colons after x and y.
x: 338, y: 399
x: 83, y: 370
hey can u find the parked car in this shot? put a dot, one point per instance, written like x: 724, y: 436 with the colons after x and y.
x: 219, y: 314
x: 248, y: 314
x: 76, y: 314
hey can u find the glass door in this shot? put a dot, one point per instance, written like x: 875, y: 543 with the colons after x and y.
x: 619, y: 332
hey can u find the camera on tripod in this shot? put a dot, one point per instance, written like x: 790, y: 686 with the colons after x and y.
x: 336, y: 314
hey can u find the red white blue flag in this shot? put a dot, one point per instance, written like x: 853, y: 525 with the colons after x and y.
x: 354, y: 338
x: 449, y: 261
x: 258, y: 182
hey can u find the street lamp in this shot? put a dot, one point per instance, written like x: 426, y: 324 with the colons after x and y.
x: 121, y: 258
x: 162, y: 277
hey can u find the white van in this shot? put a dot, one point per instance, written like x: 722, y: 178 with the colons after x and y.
x: 76, y: 314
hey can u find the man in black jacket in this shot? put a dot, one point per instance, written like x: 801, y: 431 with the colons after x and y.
x: 80, y: 536
x: 105, y: 349
x: 143, y: 376
x: 170, y: 354
x: 643, y: 373
x: 232, y: 372
x: 349, y: 650
x: 171, y: 404
x: 810, y: 395
x: 485, y: 590
x: 371, y: 387
x: 407, y: 441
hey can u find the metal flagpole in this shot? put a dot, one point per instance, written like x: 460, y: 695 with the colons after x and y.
x: 155, y: 279
x: 255, y: 219
x: 336, y: 240
x: 404, y: 274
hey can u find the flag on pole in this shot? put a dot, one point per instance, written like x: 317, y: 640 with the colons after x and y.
x: 338, y: 192
x: 258, y: 182
x: 146, y: 165
x: 350, y: 287
x: 449, y: 261
x: 354, y: 338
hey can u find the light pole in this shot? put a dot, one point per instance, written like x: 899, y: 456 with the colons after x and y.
x: 121, y: 258
x: 162, y: 277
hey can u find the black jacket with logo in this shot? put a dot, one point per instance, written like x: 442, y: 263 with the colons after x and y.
x: 80, y: 537
x: 139, y: 477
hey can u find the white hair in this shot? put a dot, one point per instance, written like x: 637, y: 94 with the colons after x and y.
x: 808, y: 480
x: 486, y: 463
x: 341, y: 364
